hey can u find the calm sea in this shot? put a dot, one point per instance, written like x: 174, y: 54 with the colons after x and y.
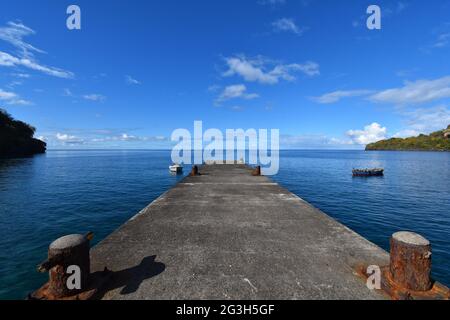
x: 63, y: 192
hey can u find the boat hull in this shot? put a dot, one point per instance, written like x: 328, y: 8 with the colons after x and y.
x: 368, y: 173
x: 176, y: 169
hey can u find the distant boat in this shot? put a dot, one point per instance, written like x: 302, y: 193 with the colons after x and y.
x: 176, y: 168
x: 375, y: 172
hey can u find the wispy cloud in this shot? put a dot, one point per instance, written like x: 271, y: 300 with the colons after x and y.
x: 287, y: 25
x: 234, y: 92
x: 7, y: 60
x: 94, y: 97
x: 213, y: 88
x: 426, y: 120
x: 14, y: 84
x: 131, y: 81
x: 21, y: 75
x: 336, y: 96
x: 20, y: 102
x: 271, y: 2
x: 413, y: 93
x: 443, y: 40
x: 67, y: 93
x: 99, y: 138
x: 14, y: 34
x: 265, y: 71
x: 313, y: 141
x: 13, y: 98
x: 410, y: 94
x: 394, y: 9
x: 126, y: 137
x: 68, y: 139
x: 5, y: 95
x: 440, y: 39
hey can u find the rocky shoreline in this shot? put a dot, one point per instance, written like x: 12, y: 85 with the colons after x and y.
x: 16, y: 138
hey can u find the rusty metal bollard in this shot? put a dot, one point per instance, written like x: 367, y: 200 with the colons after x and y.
x: 71, y: 250
x: 408, y: 275
x: 257, y: 171
x: 194, y: 171
x: 410, y: 261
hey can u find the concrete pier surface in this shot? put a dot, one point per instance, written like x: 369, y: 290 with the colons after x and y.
x: 229, y: 235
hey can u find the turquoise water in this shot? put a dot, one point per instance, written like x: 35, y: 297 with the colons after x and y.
x: 64, y: 192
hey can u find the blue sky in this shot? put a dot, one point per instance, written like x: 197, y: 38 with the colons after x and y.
x: 137, y: 70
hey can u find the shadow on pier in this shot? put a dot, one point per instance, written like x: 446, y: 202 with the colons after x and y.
x: 130, y: 279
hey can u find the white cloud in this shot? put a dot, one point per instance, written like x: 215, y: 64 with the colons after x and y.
x: 443, y: 40
x: 5, y: 95
x: 335, y: 96
x: 68, y: 139
x: 256, y: 70
x: 7, y: 60
x: 130, y: 80
x: 13, y: 84
x: 412, y: 93
x: 313, y: 141
x: 371, y: 133
x: 271, y: 2
x: 94, y: 97
x: 287, y: 25
x: 426, y: 120
x: 234, y: 92
x: 99, y: 138
x: 14, y: 33
x: 64, y: 137
x: 406, y: 133
x: 67, y: 93
x: 13, y: 98
x: 20, y: 102
x: 237, y: 108
x: 21, y: 75
x: 213, y: 88
x: 127, y: 137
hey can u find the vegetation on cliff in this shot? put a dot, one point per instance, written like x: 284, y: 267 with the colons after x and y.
x: 16, y: 138
x: 436, y: 141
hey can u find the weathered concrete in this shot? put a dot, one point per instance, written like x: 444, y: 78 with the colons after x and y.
x: 229, y: 235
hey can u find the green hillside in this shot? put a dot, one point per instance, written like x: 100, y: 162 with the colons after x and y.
x: 16, y: 138
x: 436, y: 141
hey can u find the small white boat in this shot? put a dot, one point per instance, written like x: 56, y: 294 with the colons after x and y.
x: 176, y: 168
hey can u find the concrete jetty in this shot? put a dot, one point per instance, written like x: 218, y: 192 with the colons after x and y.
x: 226, y: 234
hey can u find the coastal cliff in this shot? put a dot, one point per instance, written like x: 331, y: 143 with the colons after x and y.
x: 16, y: 138
x: 436, y: 141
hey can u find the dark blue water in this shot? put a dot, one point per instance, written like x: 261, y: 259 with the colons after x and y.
x: 64, y: 192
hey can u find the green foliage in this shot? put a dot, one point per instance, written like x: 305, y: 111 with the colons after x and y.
x: 16, y: 137
x: 436, y: 141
